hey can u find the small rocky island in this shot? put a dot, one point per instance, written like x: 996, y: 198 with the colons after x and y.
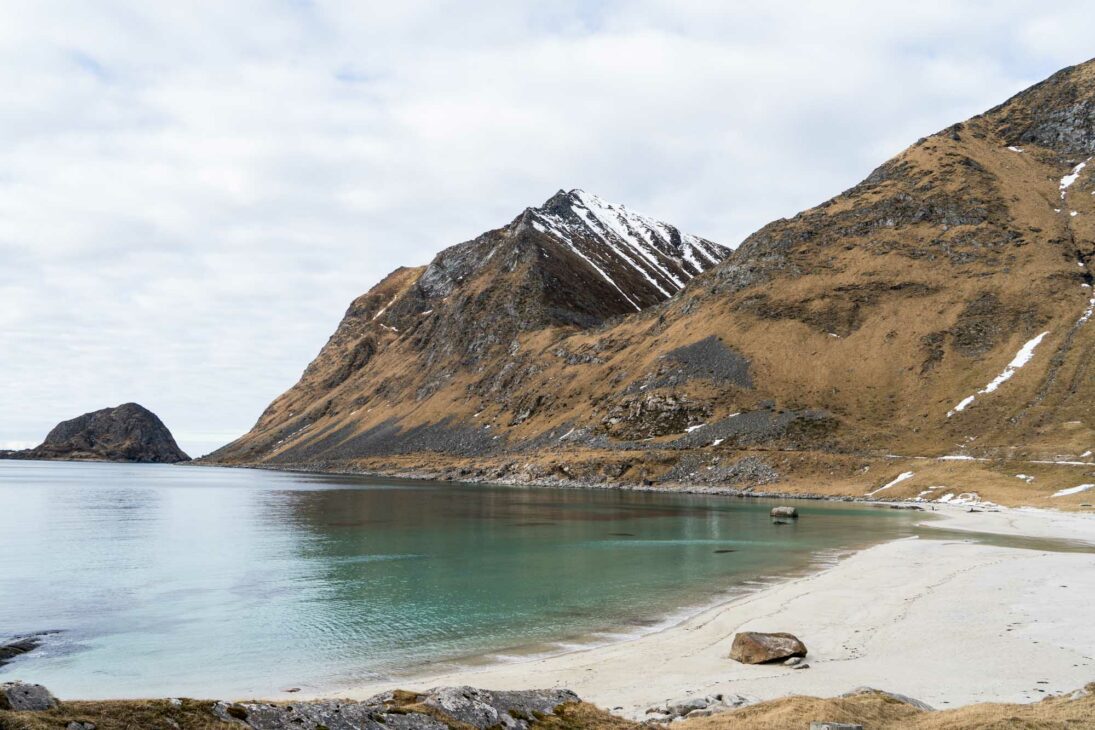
x: 130, y: 432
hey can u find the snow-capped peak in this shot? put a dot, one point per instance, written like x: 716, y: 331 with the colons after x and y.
x: 644, y: 259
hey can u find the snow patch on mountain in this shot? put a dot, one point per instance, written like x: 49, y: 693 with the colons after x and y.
x: 1026, y: 352
x: 900, y: 478
x: 619, y: 243
x: 1073, y: 490
x: 1067, y: 180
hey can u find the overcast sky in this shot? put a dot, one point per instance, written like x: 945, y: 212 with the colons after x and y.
x: 191, y: 193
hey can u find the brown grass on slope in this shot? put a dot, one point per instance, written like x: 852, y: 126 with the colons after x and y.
x: 880, y: 712
x: 873, y: 711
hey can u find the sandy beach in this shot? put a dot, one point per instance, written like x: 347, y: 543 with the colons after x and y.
x: 948, y: 621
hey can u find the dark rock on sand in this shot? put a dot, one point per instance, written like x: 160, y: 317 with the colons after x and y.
x: 754, y: 647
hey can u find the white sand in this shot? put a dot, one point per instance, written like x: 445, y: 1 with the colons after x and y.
x: 947, y: 622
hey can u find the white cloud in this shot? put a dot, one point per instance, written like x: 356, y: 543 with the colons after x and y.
x: 190, y: 194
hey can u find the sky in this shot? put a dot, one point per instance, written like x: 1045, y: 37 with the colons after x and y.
x: 192, y: 193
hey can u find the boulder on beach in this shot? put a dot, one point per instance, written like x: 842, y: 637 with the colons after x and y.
x: 24, y: 697
x: 755, y: 647
x: 783, y: 511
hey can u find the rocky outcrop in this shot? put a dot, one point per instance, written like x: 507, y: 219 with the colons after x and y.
x: 784, y: 512
x: 754, y: 647
x: 443, y: 708
x: 129, y: 432
x: 24, y: 697
x: 21, y: 645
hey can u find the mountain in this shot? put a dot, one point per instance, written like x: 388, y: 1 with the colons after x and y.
x: 448, y: 335
x: 930, y: 321
x: 129, y: 432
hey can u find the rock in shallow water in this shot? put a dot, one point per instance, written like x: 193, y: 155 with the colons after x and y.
x: 754, y: 647
x: 784, y: 512
x: 20, y: 696
x: 18, y: 647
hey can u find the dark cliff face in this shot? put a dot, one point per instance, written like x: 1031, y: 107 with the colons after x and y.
x: 129, y: 432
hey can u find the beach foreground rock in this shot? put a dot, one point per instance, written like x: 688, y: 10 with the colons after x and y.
x: 754, y: 647
x: 435, y: 709
x: 22, y: 697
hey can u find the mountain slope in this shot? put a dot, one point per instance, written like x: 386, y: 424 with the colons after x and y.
x: 423, y: 336
x: 822, y: 346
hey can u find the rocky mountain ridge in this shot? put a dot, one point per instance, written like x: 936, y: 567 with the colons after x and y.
x: 828, y: 352
x: 129, y: 432
x: 572, y: 264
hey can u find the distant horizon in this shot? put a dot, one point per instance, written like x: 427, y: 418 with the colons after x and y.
x: 192, y: 198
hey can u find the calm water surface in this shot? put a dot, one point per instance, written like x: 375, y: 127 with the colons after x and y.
x: 175, y: 580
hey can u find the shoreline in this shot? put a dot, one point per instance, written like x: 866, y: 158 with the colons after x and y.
x: 950, y: 622
x: 597, y: 639
x: 669, y: 487
x: 947, y: 620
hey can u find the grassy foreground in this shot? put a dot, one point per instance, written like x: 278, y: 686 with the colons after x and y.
x: 195, y: 715
x: 873, y: 711
x: 880, y: 712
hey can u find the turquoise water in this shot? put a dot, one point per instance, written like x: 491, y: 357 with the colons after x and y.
x: 176, y: 580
